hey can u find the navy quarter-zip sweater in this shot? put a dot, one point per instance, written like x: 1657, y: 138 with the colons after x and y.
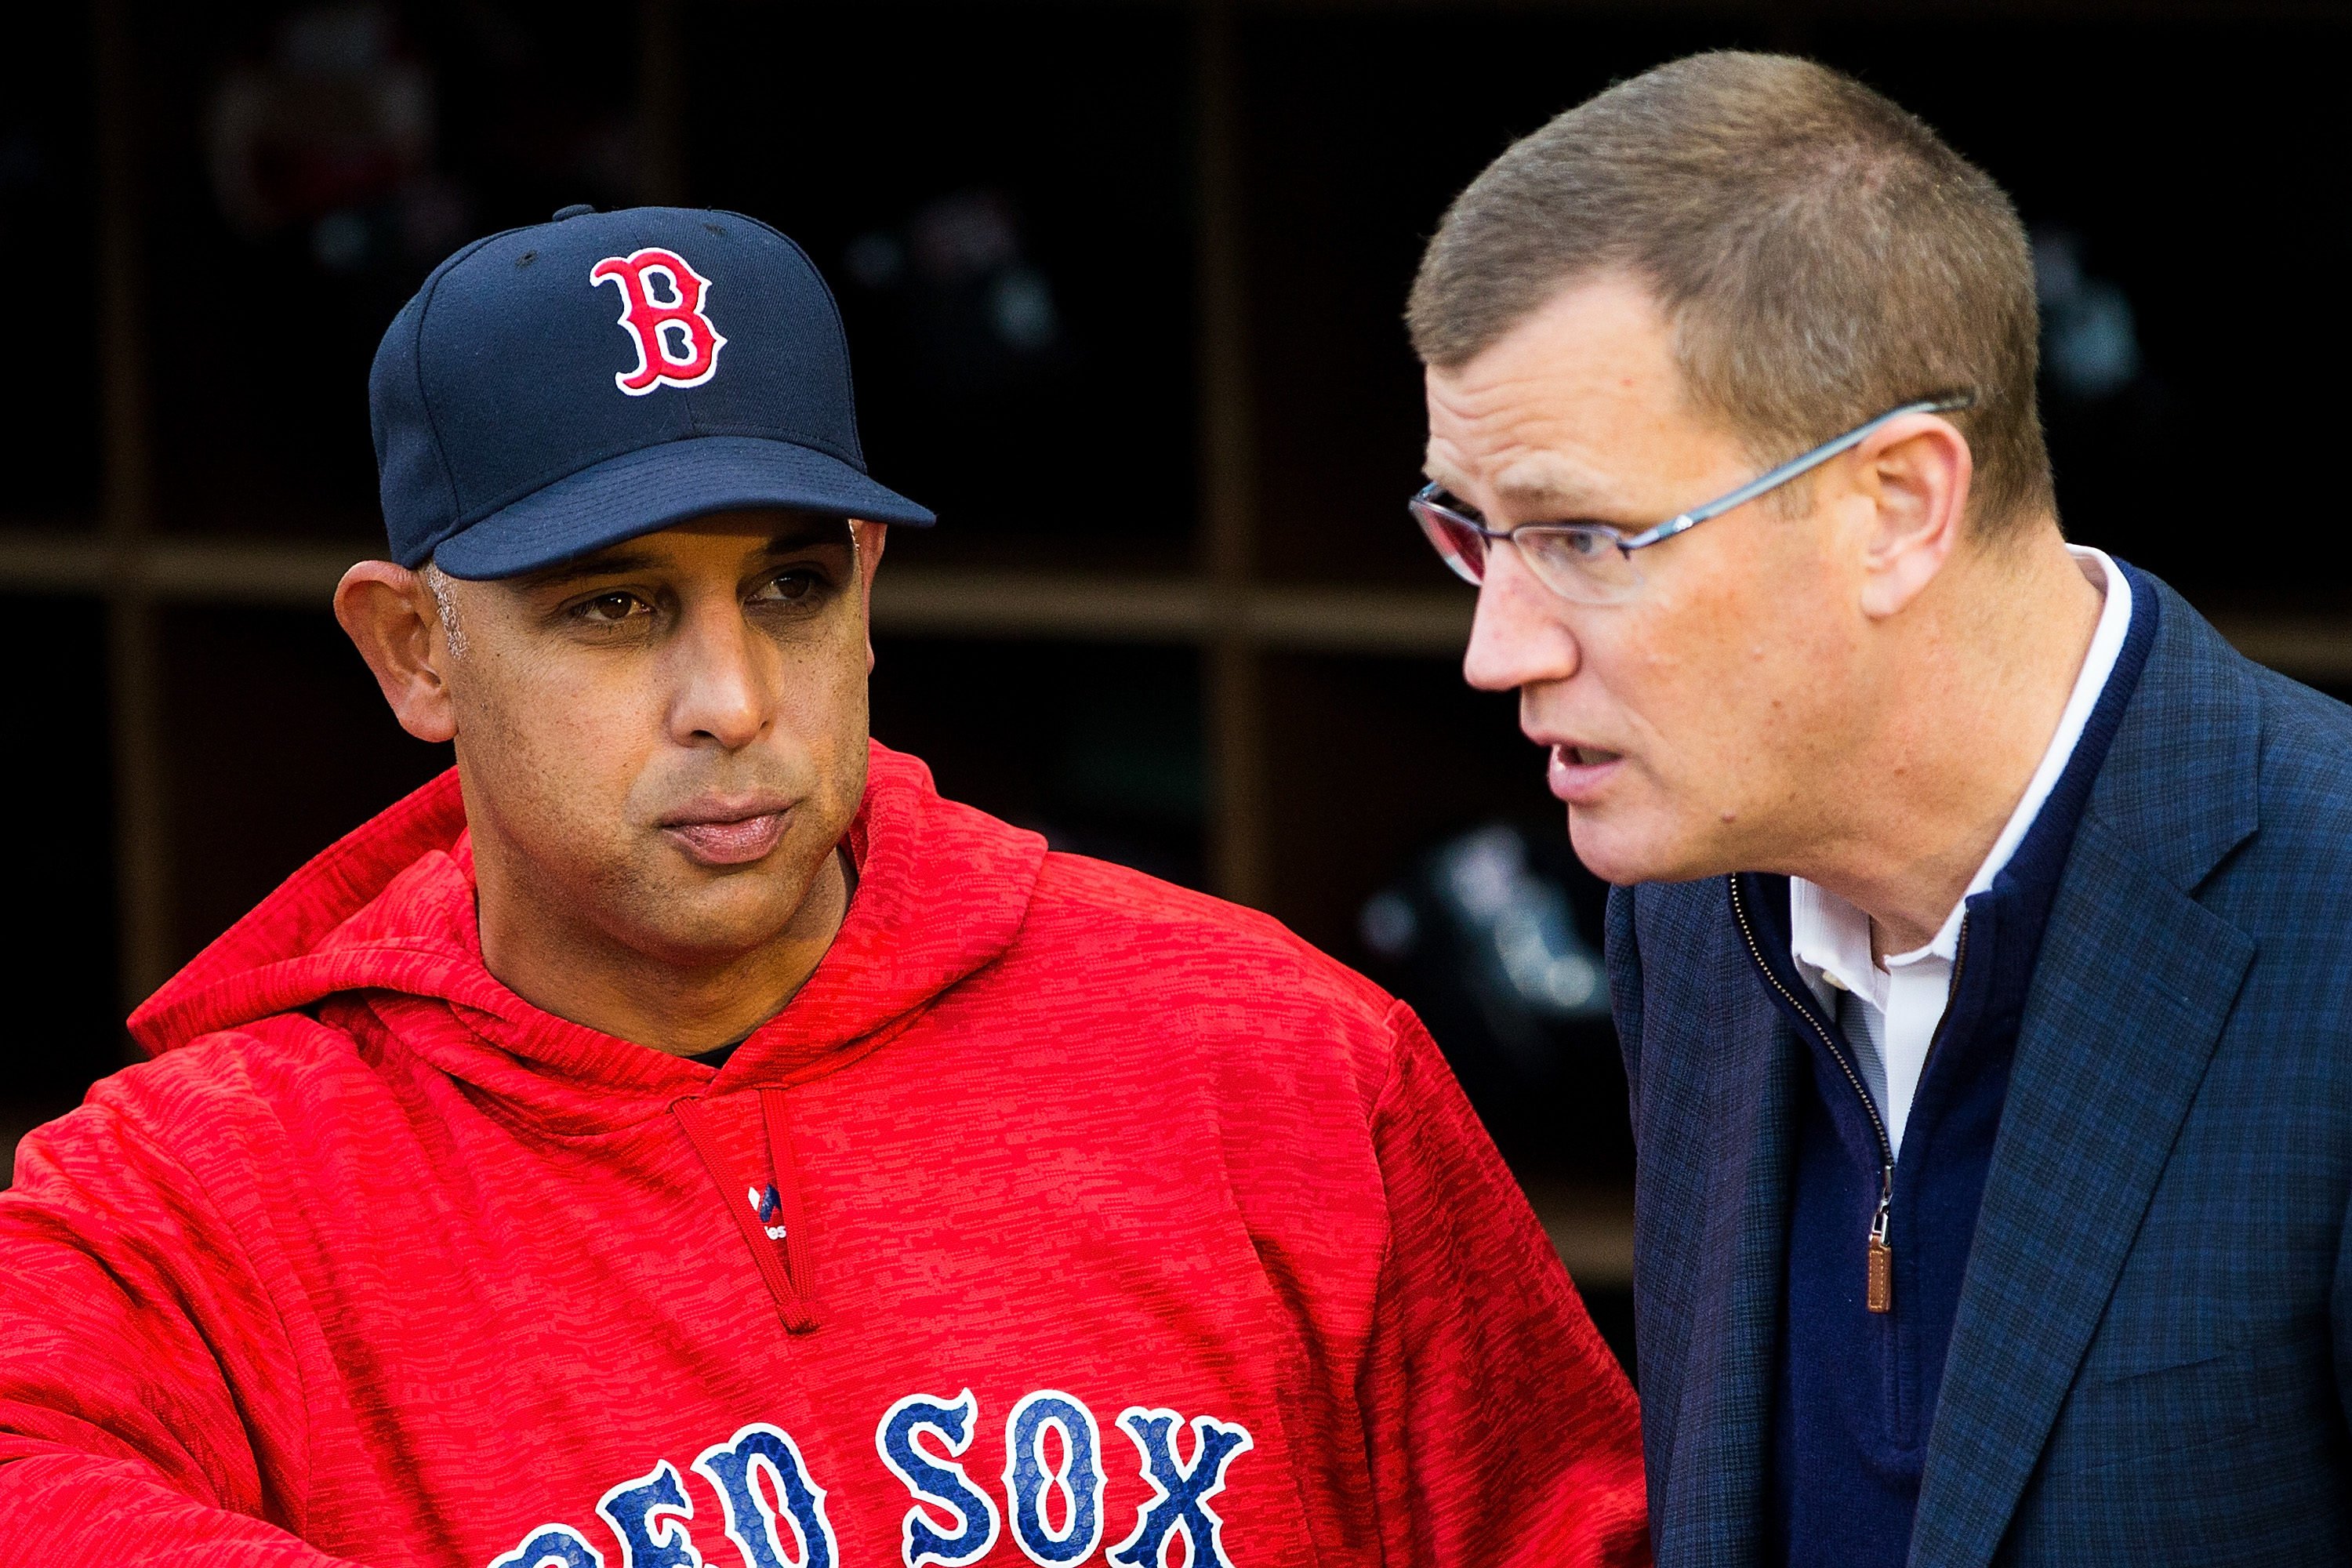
x: 1855, y: 1390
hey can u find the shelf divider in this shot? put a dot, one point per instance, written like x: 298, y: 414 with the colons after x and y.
x: 142, y: 848
x: 1233, y: 699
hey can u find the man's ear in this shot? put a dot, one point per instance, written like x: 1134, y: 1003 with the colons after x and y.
x: 1913, y: 473
x: 390, y: 616
x: 869, y: 537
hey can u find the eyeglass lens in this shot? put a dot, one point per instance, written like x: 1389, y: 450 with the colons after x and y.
x: 1462, y: 548
x: 1583, y: 565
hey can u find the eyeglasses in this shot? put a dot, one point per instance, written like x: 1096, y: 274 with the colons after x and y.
x: 1592, y: 562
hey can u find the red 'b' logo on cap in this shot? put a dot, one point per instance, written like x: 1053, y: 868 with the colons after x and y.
x: 661, y: 306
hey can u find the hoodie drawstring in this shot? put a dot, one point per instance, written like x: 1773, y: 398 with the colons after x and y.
x: 773, y: 1223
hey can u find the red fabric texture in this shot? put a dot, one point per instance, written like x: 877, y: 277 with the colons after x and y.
x: 376, y: 1263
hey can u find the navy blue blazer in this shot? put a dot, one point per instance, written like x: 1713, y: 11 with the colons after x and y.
x: 2150, y: 1362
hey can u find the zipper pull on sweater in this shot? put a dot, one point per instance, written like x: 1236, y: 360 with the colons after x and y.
x: 1879, y: 1296
x: 773, y: 1223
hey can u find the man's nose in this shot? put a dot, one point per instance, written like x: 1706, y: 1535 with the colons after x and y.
x: 1520, y: 637
x: 725, y: 675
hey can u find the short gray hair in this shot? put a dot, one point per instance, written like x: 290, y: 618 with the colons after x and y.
x: 445, y: 600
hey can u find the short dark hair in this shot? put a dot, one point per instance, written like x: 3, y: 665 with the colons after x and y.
x: 1823, y: 255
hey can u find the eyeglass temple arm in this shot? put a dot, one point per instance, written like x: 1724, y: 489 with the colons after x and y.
x: 1773, y: 479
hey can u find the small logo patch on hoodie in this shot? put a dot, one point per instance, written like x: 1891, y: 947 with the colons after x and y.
x: 766, y: 1204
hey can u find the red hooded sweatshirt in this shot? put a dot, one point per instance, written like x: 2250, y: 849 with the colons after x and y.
x: 1064, y: 1217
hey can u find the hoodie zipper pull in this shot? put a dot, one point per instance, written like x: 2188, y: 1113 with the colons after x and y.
x: 779, y: 1250
x: 1880, y: 1295
x: 785, y: 1178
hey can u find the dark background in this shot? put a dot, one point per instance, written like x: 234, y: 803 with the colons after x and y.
x: 211, y: 212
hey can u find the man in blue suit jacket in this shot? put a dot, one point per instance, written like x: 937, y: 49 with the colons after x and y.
x: 1980, y: 946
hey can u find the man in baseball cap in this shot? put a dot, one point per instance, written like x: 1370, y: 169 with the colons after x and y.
x: 677, y: 1135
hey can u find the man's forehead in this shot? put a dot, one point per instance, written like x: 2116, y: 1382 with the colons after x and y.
x: 1577, y: 410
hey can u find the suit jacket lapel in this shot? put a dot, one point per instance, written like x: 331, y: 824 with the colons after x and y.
x: 2132, y: 988
x: 1713, y: 1513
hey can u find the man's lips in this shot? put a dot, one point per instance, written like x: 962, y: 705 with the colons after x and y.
x: 729, y: 833
x: 1578, y: 772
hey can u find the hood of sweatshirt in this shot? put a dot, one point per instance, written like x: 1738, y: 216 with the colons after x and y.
x: 388, y: 912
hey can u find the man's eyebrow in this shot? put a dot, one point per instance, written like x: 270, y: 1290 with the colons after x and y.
x: 1553, y: 487
x: 1440, y: 473
x: 1534, y: 488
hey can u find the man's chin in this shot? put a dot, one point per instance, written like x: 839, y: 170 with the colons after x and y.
x: 690, y: 911
x: 1622, y: 850
x: 695, y: 929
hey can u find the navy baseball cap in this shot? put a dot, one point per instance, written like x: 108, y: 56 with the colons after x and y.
x: 555, y: 389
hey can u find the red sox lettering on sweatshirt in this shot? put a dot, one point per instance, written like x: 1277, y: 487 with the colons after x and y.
x: 1062, y: 1218
x: 1055, y: 1504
